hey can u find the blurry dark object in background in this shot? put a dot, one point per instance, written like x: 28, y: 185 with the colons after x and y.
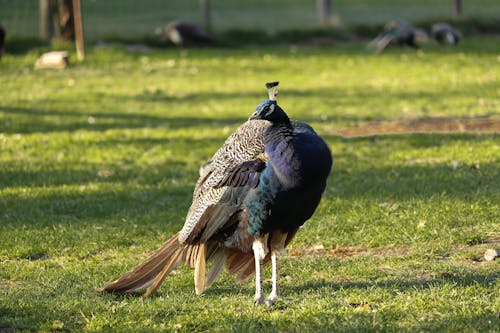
x: 444, y: 33
x: 57, y: 19
x: 66, y: 20
x: 2, y: 40
x: 398, y: 33
x: 182, y: 33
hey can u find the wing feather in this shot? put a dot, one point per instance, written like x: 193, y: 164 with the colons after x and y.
x: 244, y: 145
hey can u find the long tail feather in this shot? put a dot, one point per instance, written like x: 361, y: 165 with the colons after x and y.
x: 170, y: 266
x: 151, y: 272
x: 217, y: 267
x: 199, y: 269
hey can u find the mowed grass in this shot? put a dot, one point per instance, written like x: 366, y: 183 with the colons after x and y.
x: 98, y: 163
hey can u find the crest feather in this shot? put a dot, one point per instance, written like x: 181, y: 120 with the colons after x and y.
x: 272, y: 90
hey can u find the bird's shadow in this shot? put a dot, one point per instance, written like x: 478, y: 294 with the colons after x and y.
x: 288, y: 289
x: 399, y: 284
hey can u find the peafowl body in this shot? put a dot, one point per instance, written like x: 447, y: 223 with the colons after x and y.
x: 398, y: 33
x: 182, y: 33
x: 250, y: 199
x: 445, y: 34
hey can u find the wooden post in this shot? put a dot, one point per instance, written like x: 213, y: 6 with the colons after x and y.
x: 66, y: 20
x: 458, y: 8
x: 79, y: 40
x: 205, y: 14
x: 324, y: 8
x: 46, y: 26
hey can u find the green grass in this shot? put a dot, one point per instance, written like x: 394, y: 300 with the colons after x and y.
x: 98, y: 163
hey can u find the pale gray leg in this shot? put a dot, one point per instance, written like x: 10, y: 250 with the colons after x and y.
x: 273, y: 296
x: 259, y: 251
x: 259, y: 298
x: 278, y: 240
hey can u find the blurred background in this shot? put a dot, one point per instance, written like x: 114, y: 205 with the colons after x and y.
x: 98, y: 159
x: 130, y: 19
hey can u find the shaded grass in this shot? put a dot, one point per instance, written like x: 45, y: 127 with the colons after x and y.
x: 98, y: 164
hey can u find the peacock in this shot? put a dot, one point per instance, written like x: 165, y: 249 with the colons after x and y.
x: 182, y: 33
x: 444, y: 33
x: 249, y: 201
x: 398, y: 33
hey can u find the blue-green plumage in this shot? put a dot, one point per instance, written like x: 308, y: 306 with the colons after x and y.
x: 257, y: 190
x: 291, y: 185
x: 259, y: 202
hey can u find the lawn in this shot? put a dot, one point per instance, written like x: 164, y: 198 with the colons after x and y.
x: 98, y: 163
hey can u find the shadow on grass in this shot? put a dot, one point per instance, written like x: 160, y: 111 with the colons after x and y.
x: 304, y: 316
x: 58, y: 116
x: 328, y: 318
x: 134, y: 190
x: 415, y: 182
x: 402, y: 285
x: 469, y: 279
x: 122, y: 171
x: 28, y: 120
x: 332, y: 321
x: 400, y: 182
x: 66, y: 208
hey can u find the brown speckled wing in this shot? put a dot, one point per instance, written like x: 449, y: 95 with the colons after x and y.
x: 245, y: 144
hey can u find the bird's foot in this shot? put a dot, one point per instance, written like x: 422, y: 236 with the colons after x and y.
x: 272, y: 298
x: 270, y: 302
x: 259, y: 300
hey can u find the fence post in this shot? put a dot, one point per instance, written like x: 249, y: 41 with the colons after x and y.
x: 79, y: 40
x: 205, y: 14
x: 458, y: 8
x: 324, y: 8
x: 46, y: 24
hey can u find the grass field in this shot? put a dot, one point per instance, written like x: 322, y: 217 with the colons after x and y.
x: 98, y: 163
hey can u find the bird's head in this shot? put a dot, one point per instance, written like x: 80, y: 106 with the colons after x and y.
x: 270, y: 110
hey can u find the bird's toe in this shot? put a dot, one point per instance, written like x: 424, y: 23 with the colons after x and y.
x: 259, y: 300
x: 270, y: 302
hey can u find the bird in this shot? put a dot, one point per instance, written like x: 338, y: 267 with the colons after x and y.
x: 183, y: 33
x: 400, y: 33
x: 251, y: 198
x: 2, y: 40
x: 445, y: 34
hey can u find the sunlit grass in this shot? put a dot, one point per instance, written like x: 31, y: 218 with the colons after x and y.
x: 98, y: 163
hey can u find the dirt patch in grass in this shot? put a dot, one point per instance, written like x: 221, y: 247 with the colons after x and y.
x: 424, y: 125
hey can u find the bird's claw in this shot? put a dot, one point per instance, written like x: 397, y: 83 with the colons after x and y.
x: 259, y: 300
x: 270, y: 302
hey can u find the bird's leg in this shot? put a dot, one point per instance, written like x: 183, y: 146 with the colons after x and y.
x: 260, y: 250
x: 273, y: 296
x: 277, y: 246
x: 259, y: 299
